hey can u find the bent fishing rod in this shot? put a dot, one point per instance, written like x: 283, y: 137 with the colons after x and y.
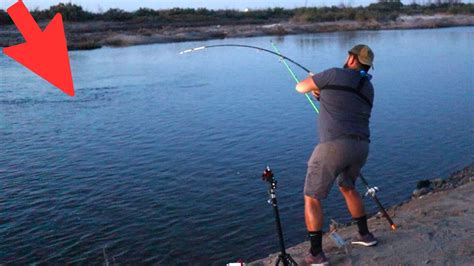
x: 282, y: 58
x: 246, y: 46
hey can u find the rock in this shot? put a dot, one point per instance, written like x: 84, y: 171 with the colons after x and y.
x: 438, y: 182
x: 420, y: 192
x: 415, y: 193
x: 423, y: 184
x: 378, y: 215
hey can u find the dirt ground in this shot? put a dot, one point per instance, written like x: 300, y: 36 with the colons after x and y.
x: 435, y: 229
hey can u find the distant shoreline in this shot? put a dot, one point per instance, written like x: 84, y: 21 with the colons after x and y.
x: 97, y: 34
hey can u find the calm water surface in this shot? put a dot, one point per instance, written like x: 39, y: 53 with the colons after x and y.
x: 158, y: 157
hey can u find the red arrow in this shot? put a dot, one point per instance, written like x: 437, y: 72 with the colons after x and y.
x: 44, y: 52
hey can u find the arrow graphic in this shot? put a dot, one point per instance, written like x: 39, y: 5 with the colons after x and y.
x: 44, y: 52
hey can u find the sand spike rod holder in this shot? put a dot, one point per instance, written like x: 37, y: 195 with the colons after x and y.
x: 283, y: 257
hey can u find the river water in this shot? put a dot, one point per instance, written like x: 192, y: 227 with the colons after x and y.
x: 158, y: 157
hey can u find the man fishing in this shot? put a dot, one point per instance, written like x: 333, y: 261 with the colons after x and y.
x: 346, y: 96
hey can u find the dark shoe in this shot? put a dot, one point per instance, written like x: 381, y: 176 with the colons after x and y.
x: 367, y: 240
x: 318, y: 260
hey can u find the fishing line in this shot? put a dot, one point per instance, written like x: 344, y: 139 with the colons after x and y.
x: 295, y: 78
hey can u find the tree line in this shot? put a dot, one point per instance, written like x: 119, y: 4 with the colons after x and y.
x: 383, y: 10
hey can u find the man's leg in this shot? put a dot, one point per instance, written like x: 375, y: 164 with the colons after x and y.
x: 356, y: 208
x: 313, y: 213
x: 359, y: 151
x: 353, y: 201
x: 319, y: 179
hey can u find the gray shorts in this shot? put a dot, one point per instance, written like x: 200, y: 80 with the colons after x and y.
x: 340, y: 159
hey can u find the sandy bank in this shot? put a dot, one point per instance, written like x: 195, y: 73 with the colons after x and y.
x: 435, y: 229
x: 95, y: 34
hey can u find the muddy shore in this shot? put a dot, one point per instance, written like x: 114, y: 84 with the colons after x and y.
x: 96, y: 34
x: 433, y: 229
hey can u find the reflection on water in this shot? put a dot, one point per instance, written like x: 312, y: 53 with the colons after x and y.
x: 157, y: 159
x: 342, y: 40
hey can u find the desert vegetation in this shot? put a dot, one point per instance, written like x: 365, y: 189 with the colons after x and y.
x: 383, y: 10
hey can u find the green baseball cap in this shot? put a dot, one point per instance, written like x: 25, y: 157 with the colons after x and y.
x: 364, y: 54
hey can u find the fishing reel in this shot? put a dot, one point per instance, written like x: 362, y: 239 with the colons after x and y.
x: 268, y: 176
x: 371, y: 191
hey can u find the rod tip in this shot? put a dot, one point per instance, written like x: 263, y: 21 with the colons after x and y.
x: 394, y: 227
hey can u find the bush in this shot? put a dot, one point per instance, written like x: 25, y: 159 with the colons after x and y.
x: 71, y: 12
x: 386, y: 6
x: 205, y: 12
x: 146, y: 12
x: 230, y: 14
x: 181, y: 11
x: 383, y: 10
x: 116, y: 14
x: 362, y: 15
x: 326, y: 14
x: 40, y: 15
x: 4, y: 18
x: 461, y: 9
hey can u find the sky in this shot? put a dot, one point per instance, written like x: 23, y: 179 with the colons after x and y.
x: 131, y: 5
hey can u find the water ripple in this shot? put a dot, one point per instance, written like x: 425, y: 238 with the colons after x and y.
x: 155, y: 162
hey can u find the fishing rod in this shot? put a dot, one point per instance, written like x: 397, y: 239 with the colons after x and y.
x: 370, y: 190
x: 277, y: 53
x: 246, y: 46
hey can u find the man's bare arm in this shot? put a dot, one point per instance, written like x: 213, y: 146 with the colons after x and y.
x: 308, y: 85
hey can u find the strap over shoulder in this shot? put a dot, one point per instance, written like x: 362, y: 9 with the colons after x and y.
x: 356, y: 90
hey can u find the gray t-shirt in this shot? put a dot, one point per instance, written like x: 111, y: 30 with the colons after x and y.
x: 342, y: 112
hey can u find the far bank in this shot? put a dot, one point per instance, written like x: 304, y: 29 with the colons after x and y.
x: 97, y: 34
